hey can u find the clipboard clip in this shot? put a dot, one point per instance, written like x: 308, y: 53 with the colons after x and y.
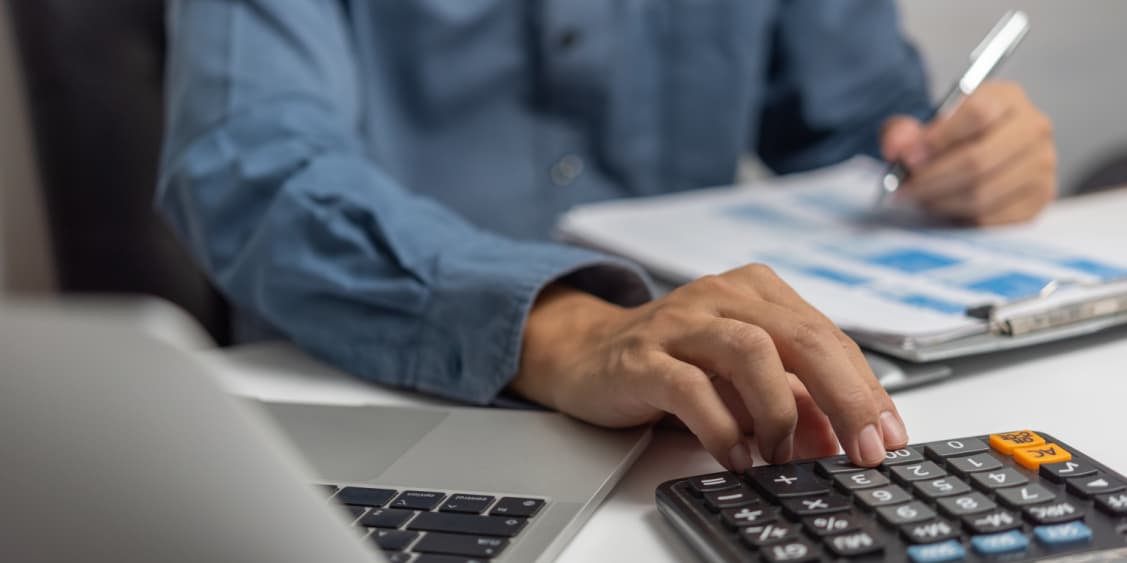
x: 1018, y: 317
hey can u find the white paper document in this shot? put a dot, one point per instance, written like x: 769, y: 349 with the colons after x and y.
x: 885, y: 274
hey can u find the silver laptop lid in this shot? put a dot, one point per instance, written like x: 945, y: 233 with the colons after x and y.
x: 119, y: 447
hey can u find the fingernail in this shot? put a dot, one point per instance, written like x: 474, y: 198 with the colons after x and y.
x: 784, y: 450
x: 739, y: 458
x: 870, y: 445
x: 894, y: 432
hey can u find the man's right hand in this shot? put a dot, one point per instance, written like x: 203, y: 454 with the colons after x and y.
x: 734, y: 355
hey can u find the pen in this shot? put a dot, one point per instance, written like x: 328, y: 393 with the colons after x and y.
x: 985, y: 59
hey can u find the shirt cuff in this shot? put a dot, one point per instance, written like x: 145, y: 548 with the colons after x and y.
x: 470, y: 342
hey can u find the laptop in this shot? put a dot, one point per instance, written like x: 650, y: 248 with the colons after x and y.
x: 118, y: 446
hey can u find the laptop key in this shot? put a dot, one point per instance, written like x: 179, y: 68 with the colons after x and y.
x: 467, y: 504
x: 386, y: 518
x: 393, y: 540
x: 459, y: 544
x: 418, y: 500
x: 515, y: 506
x: 397, y: 557
x: 504, y: 526
x: 364, y: 496
x: 436, y: 558
x: 355, y: 511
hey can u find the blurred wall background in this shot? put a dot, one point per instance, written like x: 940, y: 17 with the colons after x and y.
x: 1073, y: 63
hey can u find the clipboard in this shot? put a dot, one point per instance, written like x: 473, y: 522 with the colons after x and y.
x: 1025, y: 322
x: 1076, y: 251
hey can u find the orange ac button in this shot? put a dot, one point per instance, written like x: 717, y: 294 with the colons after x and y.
x: 1007, y: 442
x: 1032, y: 457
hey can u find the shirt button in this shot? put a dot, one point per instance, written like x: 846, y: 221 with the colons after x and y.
x: 566, y: 170
x: 568, y: 38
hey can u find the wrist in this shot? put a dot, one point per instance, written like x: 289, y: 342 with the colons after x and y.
x: 562, y: 324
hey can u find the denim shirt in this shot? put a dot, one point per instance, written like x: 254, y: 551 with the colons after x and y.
x: 378, y: 179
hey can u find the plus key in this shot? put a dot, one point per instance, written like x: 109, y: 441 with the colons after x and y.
x: 788, y: 480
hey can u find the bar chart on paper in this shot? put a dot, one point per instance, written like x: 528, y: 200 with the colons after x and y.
x: 893, y: 272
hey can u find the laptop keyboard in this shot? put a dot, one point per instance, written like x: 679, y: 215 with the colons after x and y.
x: 418, y: 526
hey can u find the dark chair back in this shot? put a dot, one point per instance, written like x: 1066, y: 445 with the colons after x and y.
x: 94, y: 74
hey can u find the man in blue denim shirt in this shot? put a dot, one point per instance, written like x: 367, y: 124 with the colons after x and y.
x: 378, y: 181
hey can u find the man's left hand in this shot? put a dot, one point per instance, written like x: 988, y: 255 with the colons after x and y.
x: 991, y: 161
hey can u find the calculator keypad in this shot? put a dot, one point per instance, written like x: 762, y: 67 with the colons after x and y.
x: 1019, y: 496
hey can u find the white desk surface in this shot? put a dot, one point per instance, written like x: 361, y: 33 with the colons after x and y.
x: 1075, y: 390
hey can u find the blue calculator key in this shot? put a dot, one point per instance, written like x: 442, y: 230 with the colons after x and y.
x: 950, y: 550
x: 1063, y: 534
x: 997, y: 544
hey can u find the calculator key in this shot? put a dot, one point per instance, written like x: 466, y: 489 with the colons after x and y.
x: 941, y: 450
x: 1063, y: 534
x: 1025, y: 495
x: 990, y: 480
x: 791, y: 551
x: 917, y: 472
x: 831, y: 466
x: 459, y: 544
x: 914, y: 511
x: 1114, y: 503
x: 364, y: 496
x: 517, y: 506
x: 1033, y: 457
x: 950, y: 550
x: 393, y: 540
x: 831, y: 524
x: 818, y: 504
x: 942, y: 487
x: 929, y: 531
x: 970, y: 503
x: 1006, y: 442
x: 787, y: 480
x: 997, y: 544
x: 964, y: 466
x: 901, y: 456
x: 386, y: 518
x: 747, y: 516
x: 467, y: 504
x: 467, y: 524
x: 992, y: 522
x: 884, y: 496
x: 418, y: 500
x: 866, y: 479
x: 853, y: 544
x: 329, y: 490
x: 1053, y: 512
x: 713, y: 482
x: 730, y: 498
x: 1094, y: 485
x: 769, y: 533
x: 1058, y: 472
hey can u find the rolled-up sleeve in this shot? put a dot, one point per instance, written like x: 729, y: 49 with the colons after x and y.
x: 265, y: 176
x: 838, y: 70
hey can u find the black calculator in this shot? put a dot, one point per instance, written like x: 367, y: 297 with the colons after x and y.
x: 1011, y: 496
